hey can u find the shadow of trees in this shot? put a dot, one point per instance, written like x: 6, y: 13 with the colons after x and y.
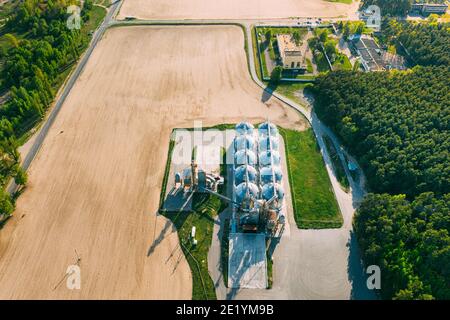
x: 356, y: 273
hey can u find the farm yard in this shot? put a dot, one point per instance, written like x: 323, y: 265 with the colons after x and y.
x: 86, y: 196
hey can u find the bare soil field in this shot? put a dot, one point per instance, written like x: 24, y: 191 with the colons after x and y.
x: 94, y: 186
x: 235, y: 9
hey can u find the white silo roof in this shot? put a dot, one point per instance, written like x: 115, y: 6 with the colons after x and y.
x: 244, y: 142
x: 267, y: 175
x: 264, y: 129
x: 245, y: 156
x: 244, y: 128
x: 246, y: 188
x: 268, y: 191
x: 265, y: 142
x: 267, y: 158
x: 243, y: 173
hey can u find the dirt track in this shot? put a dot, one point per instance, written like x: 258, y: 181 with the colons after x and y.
x: 234, y: 9
x: 94, y: 186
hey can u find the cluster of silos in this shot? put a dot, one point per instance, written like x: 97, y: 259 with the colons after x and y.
x: 245, y: 163
x: 269, y: 161
x: 257, y: 173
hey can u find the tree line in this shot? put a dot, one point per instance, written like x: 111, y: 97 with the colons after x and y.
x: 32, y: 63
x: 397, y: 124
x: 426, y: 44
x: 396, y: 7
x: 409, y: 241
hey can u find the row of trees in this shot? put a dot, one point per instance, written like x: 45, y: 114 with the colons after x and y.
x: 426, y: 44
x: 31, y: 67
x: 410, y: 241
x: 396, y: 7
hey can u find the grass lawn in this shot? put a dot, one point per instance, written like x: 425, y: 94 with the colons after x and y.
x: 309, y: 66
x: 269, y: 271
x: 338, y: 169
x: 256, y: 55
x: 321, y: 62
x: 272, y: 53
x: 205, y: 208
x: 224, y: 250
x: 315, y: 206
x: 291, y: 90
x: 342, y: 63
x: 97, y: 16
x: 289, y: 30
x: 264, y: 65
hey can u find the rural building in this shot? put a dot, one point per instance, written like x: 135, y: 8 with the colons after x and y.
x: 292, y: 55
x: 373, y: 58
x: 429, y: 8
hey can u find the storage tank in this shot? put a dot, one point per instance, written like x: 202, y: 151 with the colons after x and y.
x: 267, y: 158
x: 245, y: 188
x: 245, y: 173
x: 265, y: 127
x: 267, y: 175
x: 270, y: 189
x: 266, y: 142
x: 244, y: 142
x: 244, y: 128
x: 245, y: 156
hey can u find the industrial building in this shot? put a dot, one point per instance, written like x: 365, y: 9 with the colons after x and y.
x: 257, y: 195
x: 374, y: 58
x: 258, y: 192
x: 256, y: 203
x: 292, y: 55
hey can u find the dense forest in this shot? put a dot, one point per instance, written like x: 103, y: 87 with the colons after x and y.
x: 41, y: 47
x: 410, y: 241
x: 397, y: 124
x: 396, y: 7
x: 426, y: 44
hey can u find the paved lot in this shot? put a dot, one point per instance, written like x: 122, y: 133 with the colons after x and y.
x: 247, y: 261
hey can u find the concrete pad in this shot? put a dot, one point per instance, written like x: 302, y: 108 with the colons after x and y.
x: 247, y: 261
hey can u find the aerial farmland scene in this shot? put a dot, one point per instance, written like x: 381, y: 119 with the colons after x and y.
x: 224, y: 150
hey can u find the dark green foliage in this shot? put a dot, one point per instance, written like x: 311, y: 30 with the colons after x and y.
x: 390, y: 7
x: 410, y: 242
x: 32, y: 64
x: 6, y: 204
x: 396, y: 123
x: 396, y: 7
x: 275, y: 76
x: 426, y: 44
